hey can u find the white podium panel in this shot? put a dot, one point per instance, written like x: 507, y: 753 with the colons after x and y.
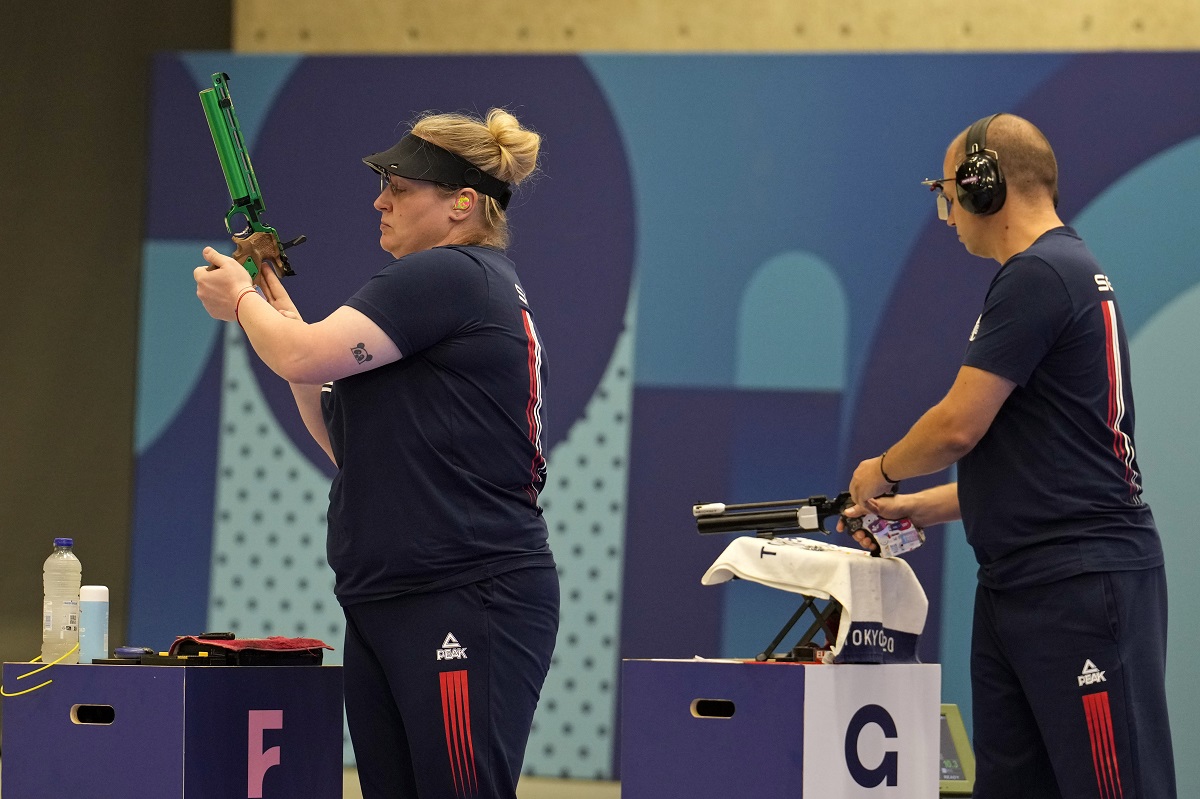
x: 880, y: 730
x: 705, y: 728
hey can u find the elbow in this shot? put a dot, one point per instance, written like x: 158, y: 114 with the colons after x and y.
x: 296, y: 365
x: 298, y: 372
x: 294, y: 358
x: 953, y: 431
x: 959, y: 440
x: 287, y: 349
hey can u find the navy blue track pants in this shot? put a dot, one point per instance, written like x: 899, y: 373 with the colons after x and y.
x: 1068, y: 689
x: 441, y: 687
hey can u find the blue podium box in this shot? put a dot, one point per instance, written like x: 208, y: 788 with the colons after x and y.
x: 708, y: 728
x: 99, y: 731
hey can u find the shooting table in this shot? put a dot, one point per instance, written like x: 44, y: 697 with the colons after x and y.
x: 99, y: 731
x: 865, y: 722
x: 719, y: 728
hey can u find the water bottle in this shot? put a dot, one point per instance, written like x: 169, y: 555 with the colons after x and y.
x: 61, y: 577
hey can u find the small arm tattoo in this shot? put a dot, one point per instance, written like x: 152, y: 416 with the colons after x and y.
x: 360, y: 353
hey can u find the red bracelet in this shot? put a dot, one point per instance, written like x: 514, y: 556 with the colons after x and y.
x: 238, y: 304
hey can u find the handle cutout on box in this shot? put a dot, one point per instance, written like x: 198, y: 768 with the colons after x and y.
x: 712, y: 708
x: 93, y: 714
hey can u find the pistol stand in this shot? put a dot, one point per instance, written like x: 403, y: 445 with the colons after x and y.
x: 780, y: 519
x: 805, y: 651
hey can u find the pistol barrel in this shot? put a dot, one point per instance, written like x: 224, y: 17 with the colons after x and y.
x: 231, y: 150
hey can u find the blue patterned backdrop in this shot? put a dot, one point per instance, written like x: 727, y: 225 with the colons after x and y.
x: 743, y: 291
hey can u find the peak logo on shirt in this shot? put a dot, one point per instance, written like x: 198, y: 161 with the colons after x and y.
x: 452, y: 649
x: 975, y: 330
x: 1102, y: 282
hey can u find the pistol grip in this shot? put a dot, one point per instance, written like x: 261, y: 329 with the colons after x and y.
x: 254, y: 250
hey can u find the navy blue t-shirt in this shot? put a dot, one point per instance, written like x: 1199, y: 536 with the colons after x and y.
x: 1053, y: 488
x: 439, y: 454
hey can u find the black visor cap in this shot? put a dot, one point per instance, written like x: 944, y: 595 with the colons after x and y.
x: 416, y: 159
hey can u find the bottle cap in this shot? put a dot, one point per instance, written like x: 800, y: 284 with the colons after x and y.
x: 93, y: 593
x: 64, y: 542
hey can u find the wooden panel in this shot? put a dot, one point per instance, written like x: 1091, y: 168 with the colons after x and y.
x: 538, y: 26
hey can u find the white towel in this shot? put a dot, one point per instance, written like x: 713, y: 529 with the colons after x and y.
x: 883, y: 604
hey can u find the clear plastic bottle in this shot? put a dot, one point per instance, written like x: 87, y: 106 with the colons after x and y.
x: 61, y: 578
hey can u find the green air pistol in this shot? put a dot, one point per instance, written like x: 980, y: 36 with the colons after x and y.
x: 258, y: 244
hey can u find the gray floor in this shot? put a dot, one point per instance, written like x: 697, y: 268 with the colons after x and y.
x: 528, y: 788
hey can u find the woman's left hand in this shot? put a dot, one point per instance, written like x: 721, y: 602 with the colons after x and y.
x: 219, y: 284
x: 276, y: 294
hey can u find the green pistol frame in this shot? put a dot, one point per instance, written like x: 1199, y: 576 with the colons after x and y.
x: 258, y: 245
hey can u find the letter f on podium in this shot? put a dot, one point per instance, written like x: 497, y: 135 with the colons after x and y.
x: 259, y: 761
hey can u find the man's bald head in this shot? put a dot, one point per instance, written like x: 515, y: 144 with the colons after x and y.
x: 1026, y: 159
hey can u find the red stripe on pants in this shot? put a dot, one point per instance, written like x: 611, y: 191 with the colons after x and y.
x: 1104, y: 747
x: 456, y: 721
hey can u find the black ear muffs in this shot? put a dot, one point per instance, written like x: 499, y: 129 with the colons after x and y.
x: 978, y: 179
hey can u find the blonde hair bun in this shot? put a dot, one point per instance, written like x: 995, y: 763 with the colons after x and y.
x: 498, y: 144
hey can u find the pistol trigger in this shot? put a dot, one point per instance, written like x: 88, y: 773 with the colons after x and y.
x: 285, y: 268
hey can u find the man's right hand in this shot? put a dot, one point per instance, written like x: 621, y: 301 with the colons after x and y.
x: 936, y: 505
x: 893, y: 507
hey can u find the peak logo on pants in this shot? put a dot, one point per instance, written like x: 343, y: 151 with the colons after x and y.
x: 451, y: 649
x: 1090, y: 674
